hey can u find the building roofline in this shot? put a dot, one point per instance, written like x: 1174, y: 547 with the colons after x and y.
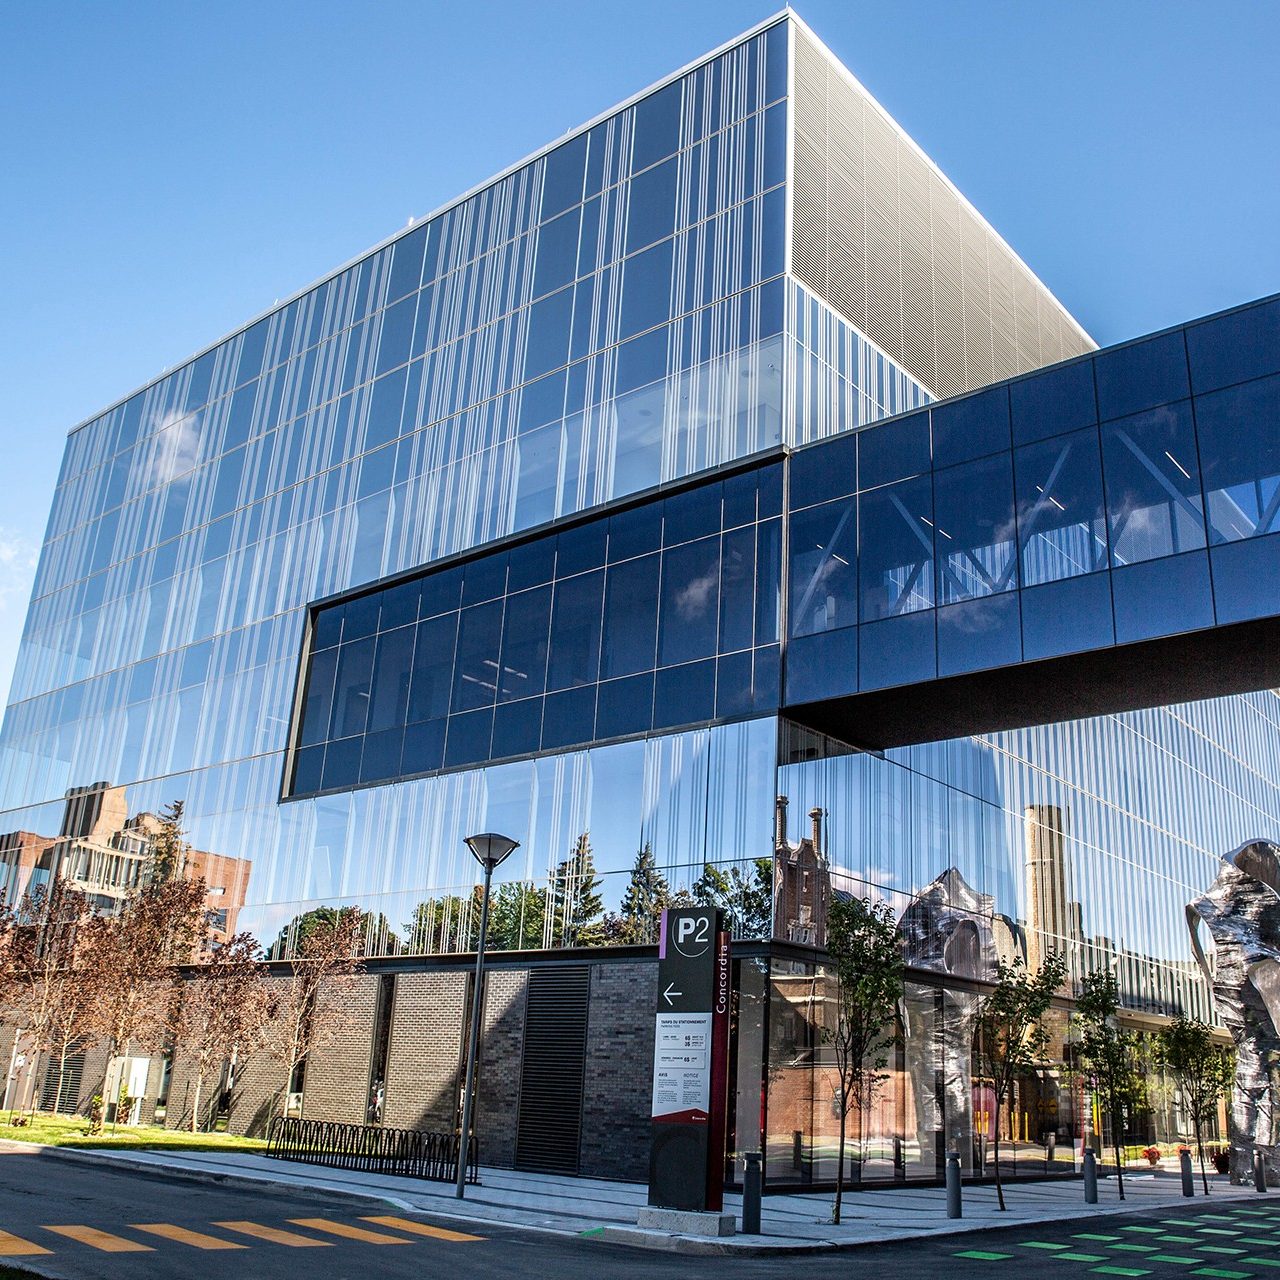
x: 453, y: 203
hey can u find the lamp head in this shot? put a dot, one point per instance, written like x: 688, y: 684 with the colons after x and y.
x: 490, y: 849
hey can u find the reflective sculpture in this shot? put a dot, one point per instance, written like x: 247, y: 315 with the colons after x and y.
x: 1242, y: 913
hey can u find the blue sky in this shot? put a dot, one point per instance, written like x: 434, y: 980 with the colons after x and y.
x: 171, y: 170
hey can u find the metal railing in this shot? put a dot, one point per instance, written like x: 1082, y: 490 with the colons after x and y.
x: 410, y: 1153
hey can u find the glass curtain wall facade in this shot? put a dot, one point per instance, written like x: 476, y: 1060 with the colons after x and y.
x: 487, y: 532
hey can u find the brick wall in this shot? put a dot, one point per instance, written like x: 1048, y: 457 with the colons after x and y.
x: 617, y: 1089
x: 498, y: 1075
x: 424, y: 1057
x: 337, y: 1081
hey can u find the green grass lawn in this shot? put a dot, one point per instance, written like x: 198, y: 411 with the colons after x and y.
x: 73, y: 1131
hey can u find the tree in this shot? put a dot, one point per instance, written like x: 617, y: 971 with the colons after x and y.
x: 1204, y: 1072
x: 517, y: 915
x: 646, y: 896
x: 169, y: 848
x: 225, y: 1010
x: 746, y: 898
x: 864, y: 945
x: 575, y: 896
x: 1109, y: 1055
x: 131, y: 963
x: 439, y: 925
x: 310, y: 1010
x: 1010, y: 1034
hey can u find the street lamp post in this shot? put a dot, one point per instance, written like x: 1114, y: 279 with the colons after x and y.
x: 489, y: 850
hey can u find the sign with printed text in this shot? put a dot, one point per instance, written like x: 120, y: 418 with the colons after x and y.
x: 690, y: 1060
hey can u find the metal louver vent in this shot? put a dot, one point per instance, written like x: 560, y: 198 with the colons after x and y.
x: 70, y: 1084
x: 885, y: 240
x: 551, y: 1076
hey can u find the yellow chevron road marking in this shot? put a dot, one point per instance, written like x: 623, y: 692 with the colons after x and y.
x: 102, y: 1240
x: 348, y: 1231
x: 419, y: 1228
x: 274, y: 1235
x: 16, y: 1247
x: 196, y: 1239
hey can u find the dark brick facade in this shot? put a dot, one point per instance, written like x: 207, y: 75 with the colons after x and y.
x: 498, y: 1077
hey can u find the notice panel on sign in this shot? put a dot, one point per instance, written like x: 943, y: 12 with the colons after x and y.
x: 681, y: 1065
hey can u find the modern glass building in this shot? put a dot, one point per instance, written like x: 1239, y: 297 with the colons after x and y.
x: 695, y: 472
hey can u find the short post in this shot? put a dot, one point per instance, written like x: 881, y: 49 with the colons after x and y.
x: 1188, y: 1178
x: 1259, y: 1171
x: 954, y: 1209
x: 1090, y: 1176
x: 797, y: 1148
x: 751, y: 1180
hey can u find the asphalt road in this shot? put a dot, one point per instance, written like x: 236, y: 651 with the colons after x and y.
x: 90, y: 1223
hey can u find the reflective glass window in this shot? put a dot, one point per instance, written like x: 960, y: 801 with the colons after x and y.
x: 468, y: 738
x: 342, y: 763
x: 824, y: 568
x: 625, y: 706
x: 978, y: 634
x: 318, y: 707
x: 1239, y: 431
x: 423, y: 746
x: 1152, y: 485
x: 1067, y: 616
x: 380, y: 760
x: 531, y: 564
x: 547, y: 344
x: 630, y: 618
x: 974, y: 542
x: 563, y: 175
x: 399, y: 605
x: 406, y: 263
x: 1141, y: 375
x: 768, y: 581
x: 642, y: 361
x: 1052, y: 403
x: 351, y: 689
x: 656, y: 126
x: 684, y: 695
x: 822, y: 666
x: 524, y: 644
x: 824, y: 471
x: 690, y: 600
x: 651, y: 206
x: 568, y: 717
x: 896, y: 549
x: 432, y: 680
x: 542, y: 401
x: 484, y: 578
x: 575, y: 631
x: 396, y: 334
x: 898, y: 650
x: 893, y: 451
x: 646, y: 289
x: 1162, y: 597
x: 971, y: 427
x: 556, y: 260
x: 392, y: 668
x: 1233, y: 348
x: 517, y: 728
x: 1062, y: 528
x: 738, y: 589
x: 1246, y: 579
x: 441, y: 592
x: 581, y: 548
x: 475, y: 678
x: 635, y: 532
x: 733, y: 685
x: 695, y: 513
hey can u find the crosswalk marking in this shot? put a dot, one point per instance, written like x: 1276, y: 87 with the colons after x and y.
x: 196, y: 1239
x: 346, y: 1230
x: 102, y: 1240
x: 16, y: 1247
x: 275, y: 1235
x: 419, y: 1228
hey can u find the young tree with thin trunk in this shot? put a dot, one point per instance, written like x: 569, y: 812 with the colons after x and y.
x: 1011, y: 1037
x: 1204, y: 1072
x: 308, y: 1008
x: 1110, y: 1056
x: 224, y: 1013
x: 864, y: 947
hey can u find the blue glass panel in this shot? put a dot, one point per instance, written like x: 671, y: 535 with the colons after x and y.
x: 431, y: 684
x: 896, y: 549
x: 822, y: 666
x: 556, y: 259
x: 684, y: 695
x: 977, y: 634
x: 767, y: 679
x: 542, y: 401
x: 386, y: 409
x: 484, y: 578
x: 690, y: 599
x: 1246, y: 579
x: 1239, y: 432
x: 646, y: 290
x: 307, y: 770
x: 740, y: 499
x: 695, y: 513
x: 1141, y: 375
x: 1235, y: 347
x: 630, y: 618
x: 1154, y: 506
x: 775, y: 146
x: 399, y: 605
x: 971, y: 427
x: 824, y: 471
x: 342, y: 763
x: 406, y: 263
x: 1067, y: 617
x: 733, y: 685
x: 1062, y: 526
x: 392, y: 667
x: 562, y: 179
x: 636, y: 532
x: 1162, y: 597
x: 568, y: 718
x: 517, y: 728
x: 317, y: 708
x: 351, y: 689
x: 768, y: 581
x: 469, y: 737
x: 651, y: 206
x: 625, y: 706
x: 525, y: 632
x: 974, y: 541
x: 441, y: 592
x: 657, y: 126
x: 381, y: 758
x: 824, y: 574
x: 738, y: 589
x: 475, y: 677
x: 897, y: 651
x: 361, y: 617
x: 531, y: 564
x: 396, y: 334
x: 641, y: 361
x: 893, y: 451
x: 769, y: 494
x: 581, y: 548
x: 575, y: 631
x: 328, y: 627
x: 1049, y: 404
x: 423, y: 747
x: 547, y: 346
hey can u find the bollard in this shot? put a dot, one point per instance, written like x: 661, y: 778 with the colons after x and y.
x: 797, y: 1148
x: 953, y: 1185
x: 751, y: 1195
x: 1188, y: 1178
x: 1090, y: 1176
x: 1259, y: 1171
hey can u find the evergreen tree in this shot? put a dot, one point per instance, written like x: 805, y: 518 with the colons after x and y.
x: 516, y: 914
x: 745, y: 897
x: 575, y: 895
x: 646, y: 895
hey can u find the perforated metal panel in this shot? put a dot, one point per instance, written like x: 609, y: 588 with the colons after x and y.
x: 889, y: 243
x: 551, y: 1075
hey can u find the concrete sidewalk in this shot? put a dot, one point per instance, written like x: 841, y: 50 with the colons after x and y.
x: 608, y: 1210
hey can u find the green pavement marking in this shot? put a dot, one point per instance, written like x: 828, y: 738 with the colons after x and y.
x: 1040, y: 1244
x: 1219, y: 1231
x: 1080, y: 1257
x: 1175, y: 1257
x: 1155, y: 1231
x: 1119, y: 1271
x: 982, y: 1255
x: 1219, y: 1248
x: 1134, y: 1248
x: 1181, y: 1222
x: 1264, y: 1262
x: 1256, y: 1240
x: 592, y: 1231
x: 1172, y: 1239
x: 1220, y: 1274
x: 1089, y: 1235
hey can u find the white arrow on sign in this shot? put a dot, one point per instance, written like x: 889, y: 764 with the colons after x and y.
x: 668, y: 993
